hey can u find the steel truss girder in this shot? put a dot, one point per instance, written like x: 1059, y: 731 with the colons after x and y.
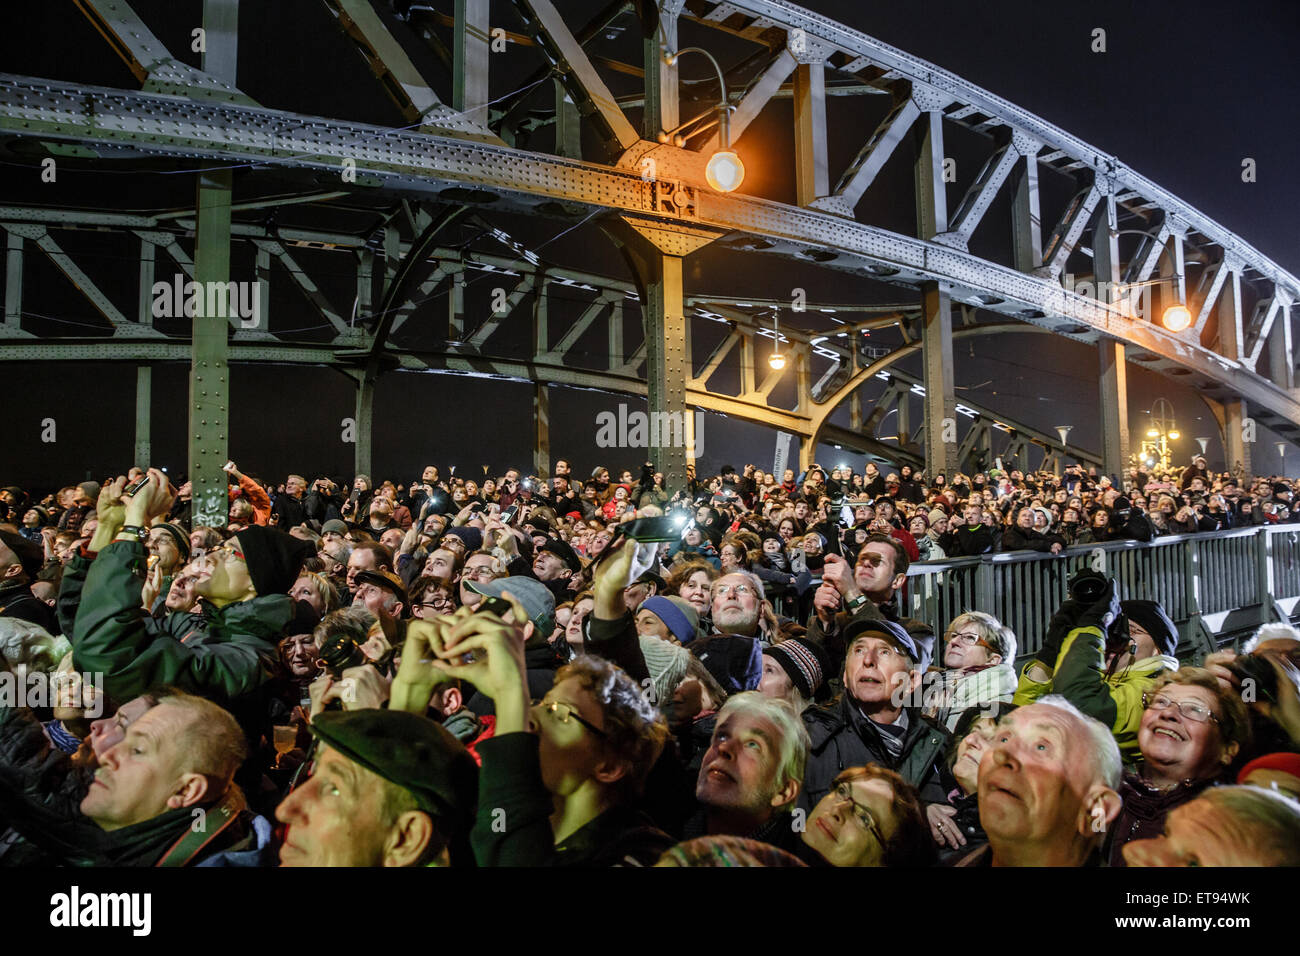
x: 423, y: 163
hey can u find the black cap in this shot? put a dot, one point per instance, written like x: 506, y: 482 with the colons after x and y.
x: 804, y: 662
x: 181, y: 539
x: 565, y: 553
x: 413, y: 752
x: 1153, y: 619
x: 274, y: 558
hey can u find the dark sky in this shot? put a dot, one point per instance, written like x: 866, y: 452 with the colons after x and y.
x: 1184, y: 92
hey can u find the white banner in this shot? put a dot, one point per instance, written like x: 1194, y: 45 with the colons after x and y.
x: 782, y: 454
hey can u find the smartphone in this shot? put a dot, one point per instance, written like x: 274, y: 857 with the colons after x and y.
x: 476, y: 507
x: 489, y: 605
x: 135, y: 486
x: 508, y: 515
x: 653, y: 529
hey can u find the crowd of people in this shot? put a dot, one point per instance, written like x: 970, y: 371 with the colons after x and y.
x: 517, y: 671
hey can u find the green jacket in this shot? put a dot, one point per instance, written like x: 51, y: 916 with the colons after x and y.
x: 1080, y: 677
x: 224, y: 657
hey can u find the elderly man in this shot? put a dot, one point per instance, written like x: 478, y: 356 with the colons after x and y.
x: 1225, y: 826
x: 873, y: 721
x: 163, y: 796
x: 388, y: 788
x: 381, y: 593
x: 1103, y: 658
x: 226, y: 655
x: 752, y: 774
x: 1048, y: 788
x: 732, y: 653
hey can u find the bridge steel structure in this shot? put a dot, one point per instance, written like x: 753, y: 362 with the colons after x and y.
x: 626, y: 164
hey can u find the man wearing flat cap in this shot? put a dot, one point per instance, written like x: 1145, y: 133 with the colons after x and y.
x: 381, y: 593
x: 554, y: 562
x: 224, y: 656
x: 878, y: 718
x: 388, y: 788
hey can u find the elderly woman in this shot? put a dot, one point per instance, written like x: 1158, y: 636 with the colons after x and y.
x: 1191, y: 732
x: 978, y: 668
x: 871, y: 817
x: 955, y: 825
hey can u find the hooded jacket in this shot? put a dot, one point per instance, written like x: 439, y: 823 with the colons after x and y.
x: 1080, y: 677
x: 224, y: 657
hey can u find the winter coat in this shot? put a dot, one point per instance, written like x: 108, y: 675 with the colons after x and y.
x: 513, y: 827
x: 842, y: 737
x: 1144, y: 811
x: 224, y: 657
x: 734, y: 660
x: 1016, y: 538
x: 963, y: 542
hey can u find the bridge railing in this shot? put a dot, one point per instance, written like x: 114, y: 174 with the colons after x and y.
x: 1212, y: 585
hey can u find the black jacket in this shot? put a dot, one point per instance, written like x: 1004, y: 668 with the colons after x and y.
x: 17, y: 600
x: 963, y: 542
x: 1020, y: 539
x: 513, y: 827
x: 842, y: 738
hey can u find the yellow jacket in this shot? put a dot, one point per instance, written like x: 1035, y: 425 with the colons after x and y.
x: 1080, y: 677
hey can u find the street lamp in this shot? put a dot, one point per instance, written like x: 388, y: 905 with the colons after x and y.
x: 724, y: 172
x: 1162, y: 430
x: 776, y: 359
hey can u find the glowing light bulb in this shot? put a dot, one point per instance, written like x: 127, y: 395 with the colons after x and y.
x: 777, y: 361
x: 1176, y: 318
x: 725, y: 171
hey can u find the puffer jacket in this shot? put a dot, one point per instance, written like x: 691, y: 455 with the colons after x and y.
x: 224, y: 657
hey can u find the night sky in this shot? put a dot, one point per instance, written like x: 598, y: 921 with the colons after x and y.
x: 1185, y: 92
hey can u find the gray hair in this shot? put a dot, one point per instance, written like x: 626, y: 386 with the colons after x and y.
x: 794, y: 743
x: 1270, y: 632
x: 752, y: 579
x: 1259, y: 818
x: 992, y: 631
x: 1105, y: 752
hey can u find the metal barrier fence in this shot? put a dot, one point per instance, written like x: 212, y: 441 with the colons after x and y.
x: 1212, y: 585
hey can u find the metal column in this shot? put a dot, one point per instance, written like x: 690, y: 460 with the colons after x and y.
x: 209, y: 374
x: 542, y: 433
x: 1281, y: 356
x: 470, y: 53
x: 1026, y: 216
x: 364, y: 422
x: 1113, y: 381
x: 666, y: 371
x: 1235, y: 444
x: 812, y: 178
x: 143, y: 412
x: 936, y: 330
x: 661, y: 113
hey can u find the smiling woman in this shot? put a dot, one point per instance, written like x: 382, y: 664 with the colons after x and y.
x: 1190, y: 734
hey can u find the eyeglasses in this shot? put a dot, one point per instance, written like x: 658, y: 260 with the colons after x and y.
x: 566, y: 712
x: 226, y: 552
x: 844, y: 793
x: 1188, y: 708
x: 439, y: 602
x: 480, y: 572
x: 722, y: 590
x: 965, y: 639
